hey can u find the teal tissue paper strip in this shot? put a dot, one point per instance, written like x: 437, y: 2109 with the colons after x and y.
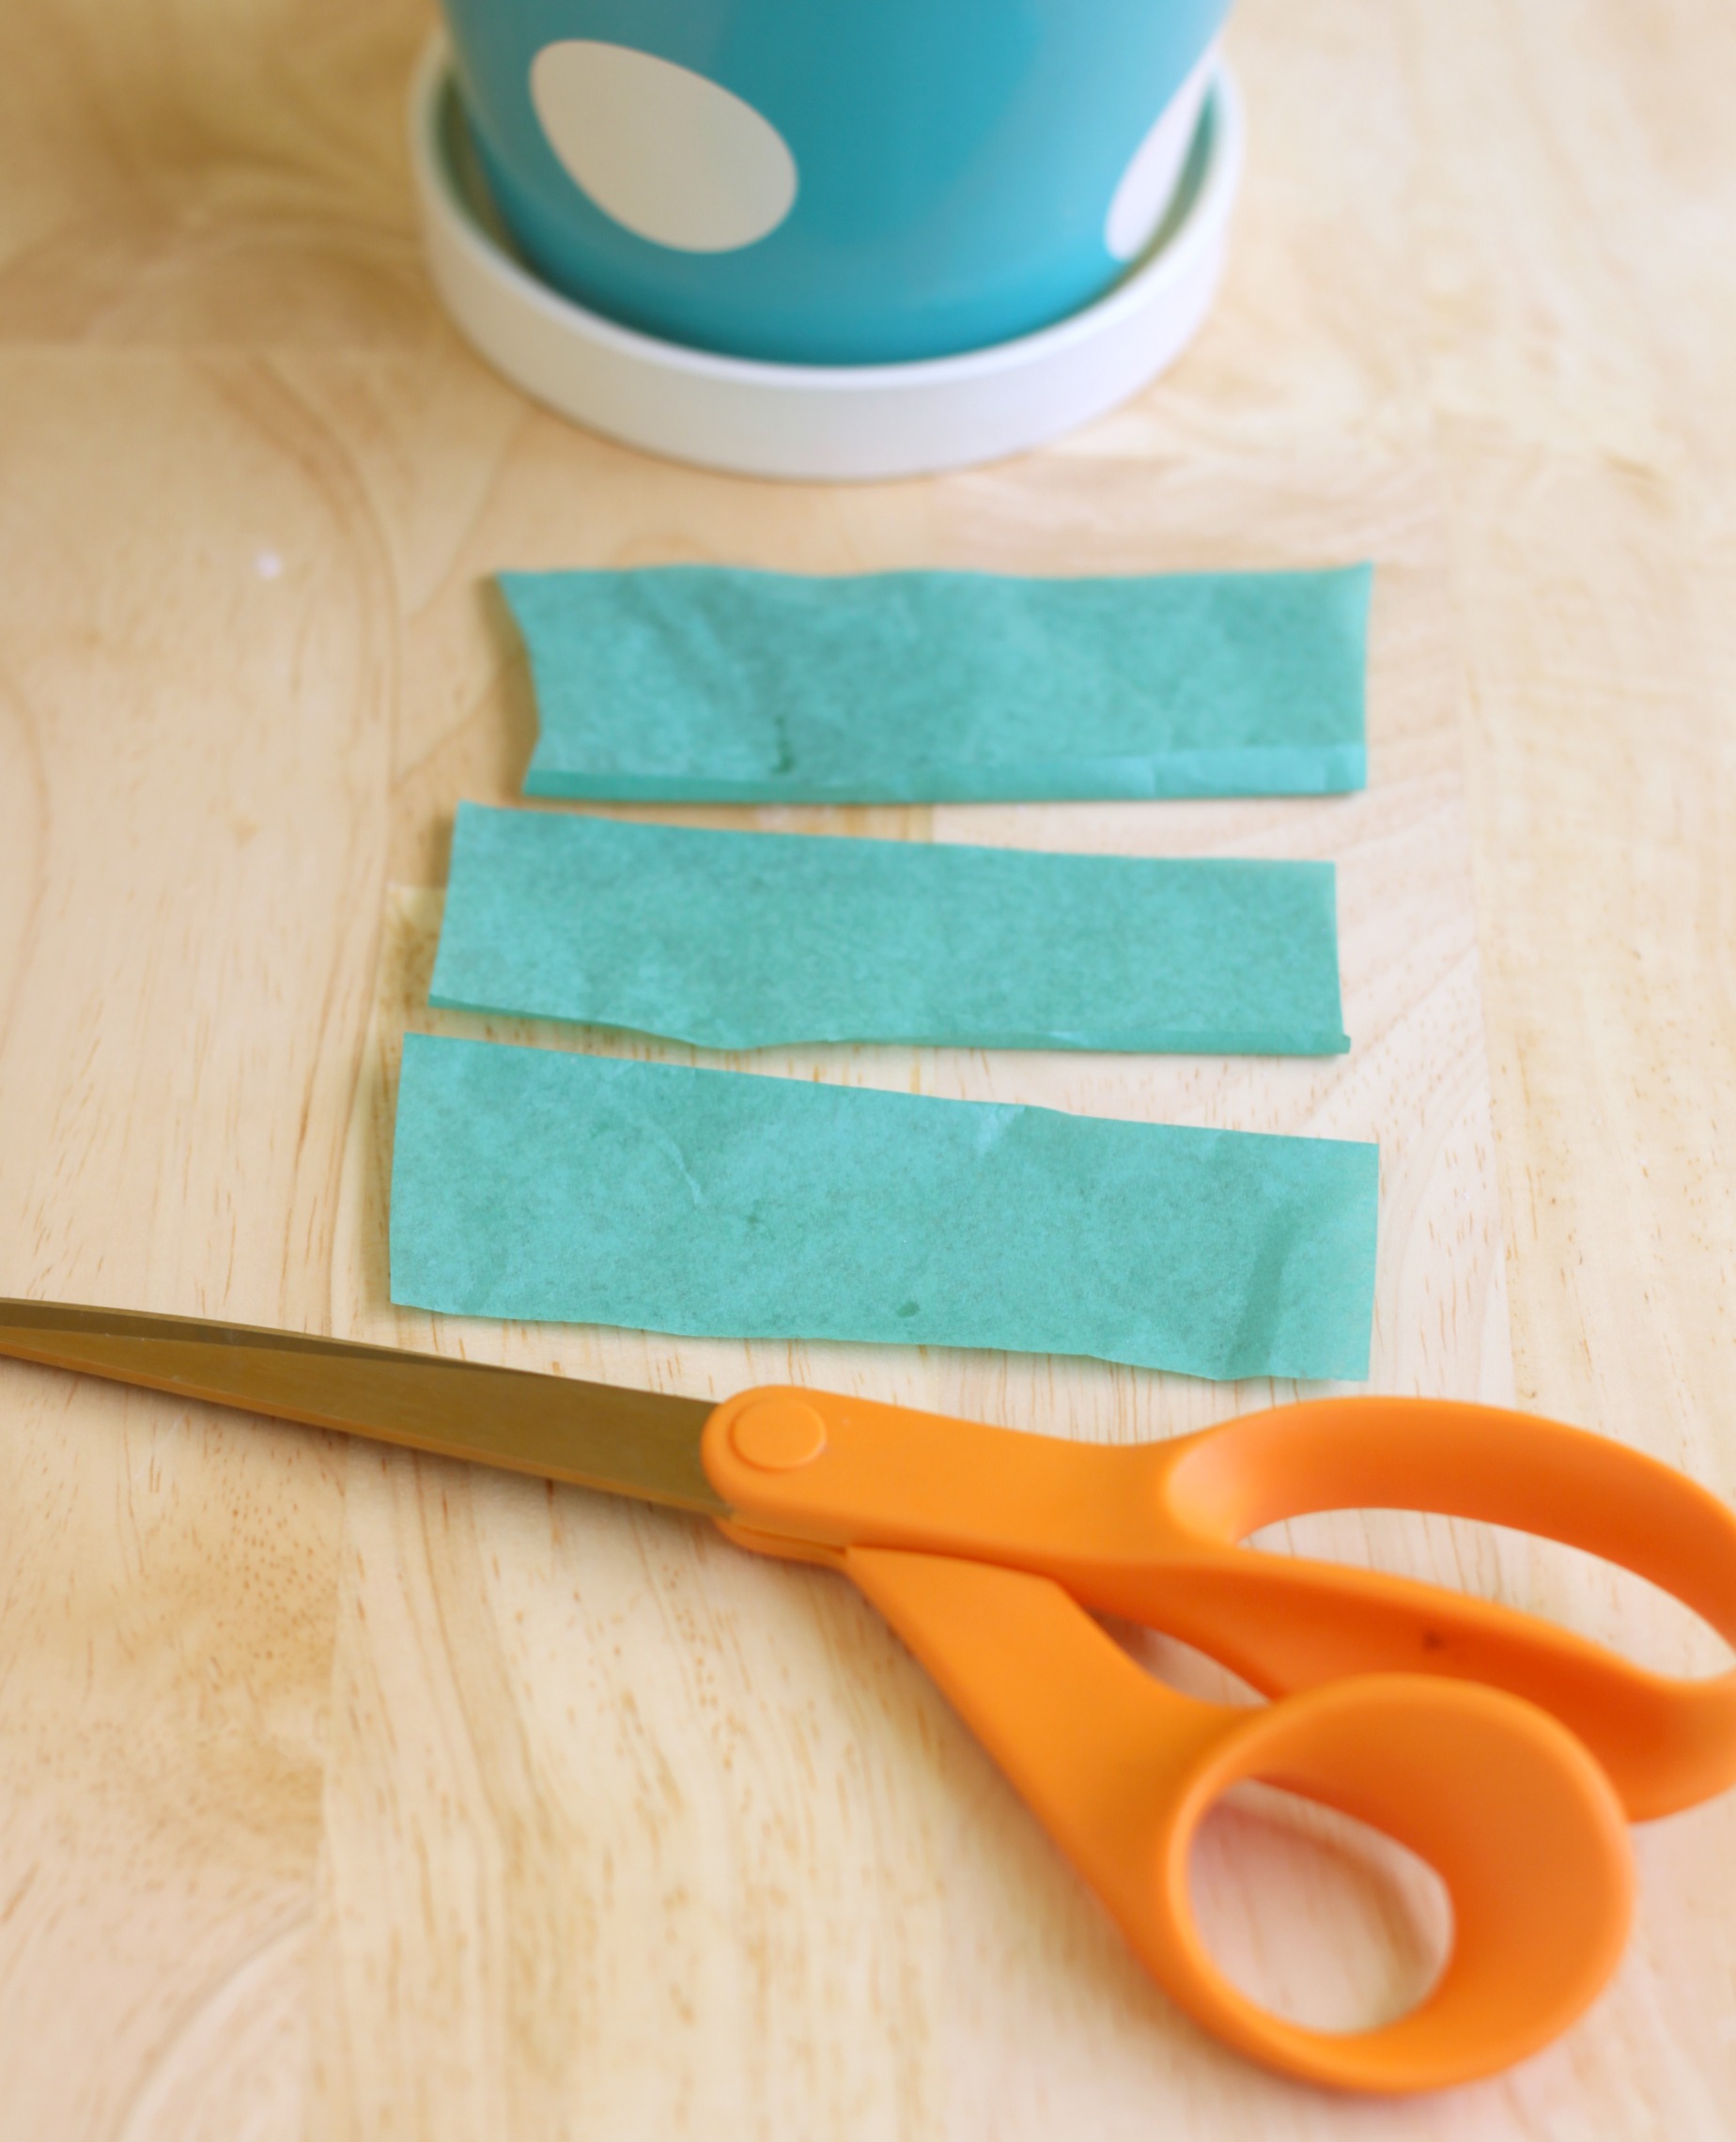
x: 714, y: 684
x: 532, y: 1185
x: 749, y: 941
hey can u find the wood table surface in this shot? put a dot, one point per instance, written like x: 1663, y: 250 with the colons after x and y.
x: 348, y: 1794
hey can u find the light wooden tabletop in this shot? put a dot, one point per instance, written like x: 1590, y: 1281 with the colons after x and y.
x: 344, y: 1794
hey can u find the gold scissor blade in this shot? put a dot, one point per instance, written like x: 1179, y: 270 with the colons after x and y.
x: 627, y: 1442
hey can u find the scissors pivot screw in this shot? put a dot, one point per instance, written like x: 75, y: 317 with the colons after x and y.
x: 777, y: 1435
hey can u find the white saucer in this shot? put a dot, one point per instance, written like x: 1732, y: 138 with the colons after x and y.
x: 822, y: 421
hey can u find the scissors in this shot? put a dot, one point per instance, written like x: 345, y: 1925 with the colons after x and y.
x: 1506, y: 1752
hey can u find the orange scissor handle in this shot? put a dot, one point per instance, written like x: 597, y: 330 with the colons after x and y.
x: 1667, y: 1741
x: 1151, y: 1532
x: 1506, y: 1807
x: 979, y: 1544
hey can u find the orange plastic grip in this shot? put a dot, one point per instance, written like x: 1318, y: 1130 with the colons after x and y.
x: 1149, y: 1532
x: 1508, y: 1807
x: 926, y: 1514
x: 1666, y: 1743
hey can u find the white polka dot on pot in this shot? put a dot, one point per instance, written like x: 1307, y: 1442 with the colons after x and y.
x: 1147, y: 186
x: 672, y: 157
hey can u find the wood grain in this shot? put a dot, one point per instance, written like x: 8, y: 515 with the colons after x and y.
x: 343, y: 1793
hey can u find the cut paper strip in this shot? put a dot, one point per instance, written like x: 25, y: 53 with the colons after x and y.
x: 747, y: 940
x: 709, y: 684
x: 532, y: 1185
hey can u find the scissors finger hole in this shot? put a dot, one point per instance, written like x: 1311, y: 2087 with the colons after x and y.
x: 1498, y: 1801
x: 1318, y: 1918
